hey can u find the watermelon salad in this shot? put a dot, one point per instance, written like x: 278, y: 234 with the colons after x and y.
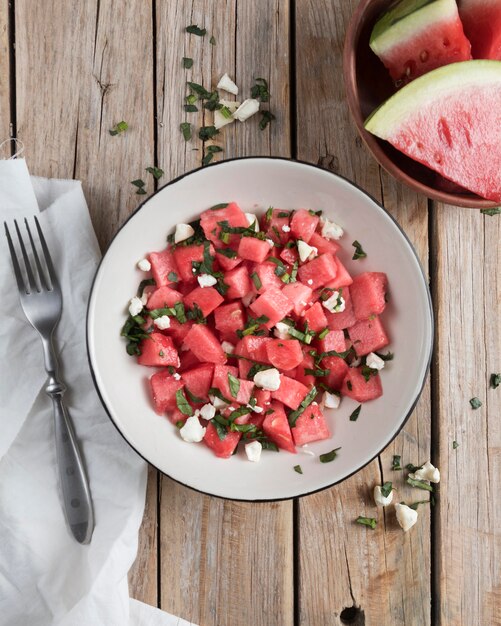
x: 255, y: 327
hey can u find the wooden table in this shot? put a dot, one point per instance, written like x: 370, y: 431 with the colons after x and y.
x: 82, y: 66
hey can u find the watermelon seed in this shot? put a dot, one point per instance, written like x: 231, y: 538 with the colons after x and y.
x: 424, y: 56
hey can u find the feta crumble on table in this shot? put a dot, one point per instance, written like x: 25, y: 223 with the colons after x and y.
x: 253, y: 451
x: 428, y: 472
x: 406, y: 517
x: 380, y: 499
x: 247, y: 109
x: 135, y: 306
x: 331, y: 230
x: 226, y: 84
x: 183, y: 232
x: 192, y: 431
x: 162, y: 322
x: 306, y: 252
x: 268, y: 379
x: 144, y: 265
x: 206, y: 280
x: 220, y: 119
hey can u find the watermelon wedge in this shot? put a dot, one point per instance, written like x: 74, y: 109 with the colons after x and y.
x: 417, y: 36
x: 482, y: 25
x: 449, y: 120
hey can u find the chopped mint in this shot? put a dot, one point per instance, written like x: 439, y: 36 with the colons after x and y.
x: 328, y: 456
x: 355, y: 414
x: 298, y: 469
x: 475, y: 403
x: 495, y: 381
x: 367, y: 521
x: 185, y: 128
x: 193, y: 29
x: 187, y: 63
x: 121, y: 127
x: 359, y: 252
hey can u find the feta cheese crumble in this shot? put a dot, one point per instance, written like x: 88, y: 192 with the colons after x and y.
x: 144, y: 265
x: 217, y: 402
x: 228, y: 347
x: 162, y: 322
x: 183, y: 232
x: 268, y: 379
x: 331, y: 230
x: 330, y: 400
x: 226, y: 84
x: 381, y: 500
x: 176, y: 376
x: 253, y: 451
x: 281, y: 330
x: 135, y: 306
x: 374, y: 361
x: 335, y: 303
x: 406, y: 516
x: 192, y: 431
x: 310, y: 281
x: 270, y: 242
x: 220, y: 119
x: 252, y: 221
x: 207, y: 411
x: 428, y: 472
x: 306, y: 252
x: 286, y: 229
x: 247, y: 109
x: 206, y: 280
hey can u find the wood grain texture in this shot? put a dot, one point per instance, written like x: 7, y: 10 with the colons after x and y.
x: 467, y: 289
x: 5, y: 120
x: 223, y: 562
x: 384, y: 573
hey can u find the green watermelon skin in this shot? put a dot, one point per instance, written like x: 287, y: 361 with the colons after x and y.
x: 450, y: 121
x: 482, y: 25
x: 417, y: 36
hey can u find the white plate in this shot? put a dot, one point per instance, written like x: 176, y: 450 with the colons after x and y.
x: 256, y: 184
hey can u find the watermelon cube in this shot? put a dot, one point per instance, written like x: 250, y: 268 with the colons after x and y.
x: 221, y: 381
x: 300, y: 295
x: 232, y: 214
x: 319, y: 271
x: 163, y: 390
x: 344, y: 319
x: 343, y: 277
x: 228, y: 263
x: 301, y: 375
x: 368, y: 293
x: 355, y: 386
x: 184, y: 257
x: 229, y: 318
x: 284, y: 354
x: 253, y: 249
x: 238, y: 282
x: 263, y: 398
x: 188, y: 360
x: 334, y: 340
x: 207, y: 299
x: 253, y: 347
x: 266, y: 276
x: 163, y: 297
x: 274, y: 225
x: 310, y: 426
x: 338, y: 369
x: 289, y: 256
x: 291, y: 392
x: 243, y: 368
x: 368, y: 336
x: 176, y: 416
x: 198, y: 380
x: 315, y: 317
x: 273, y: 304
x: 163, y: 264
x: 158, y: 350
x: 276, y: 428
x: 177, y: 330
x: 323, y: 245
x: 303, y: 225
x: 222, y: 448
x: 257, y: 419
x: 204, y: 345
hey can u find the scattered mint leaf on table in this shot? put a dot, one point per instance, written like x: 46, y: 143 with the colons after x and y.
x: 386, y: 489
x: 185, y: 128
x: 355, y: 414
x: 121, y: 127
x: 260, y: 90
x: 396, y: 462
x: 455, y: 445
x: 367, y: 521
x: 266, y: 118
x: 298, y: 469
x: 156, y: 172
x: 193, y: 29
x: 187, y: 63
x: 212, y: 40
x: 495, y: 381
x: 359, y: 251
x: 420, y: 484
x: 495, y: 211
x: 475, y: 403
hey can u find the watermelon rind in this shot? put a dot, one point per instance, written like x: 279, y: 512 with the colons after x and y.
x: 401, y: 23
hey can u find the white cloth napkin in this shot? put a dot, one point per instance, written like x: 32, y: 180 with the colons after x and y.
x: 46, y: 577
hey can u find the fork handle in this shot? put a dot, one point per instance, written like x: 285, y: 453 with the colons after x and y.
x: 74, y: 484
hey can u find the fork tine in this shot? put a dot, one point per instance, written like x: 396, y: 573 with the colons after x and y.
x: 41, y: 273
x: 48, y: 259
x: 29, y: 272
x: 17, y: 270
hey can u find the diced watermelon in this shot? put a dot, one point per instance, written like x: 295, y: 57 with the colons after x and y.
x: 323, y: 245
x: 263, y: 397
x: 284, y: 354
x: 291, y: 392
x: 368, y: 336
x: 253, y: 249
x: 334, y: 340
x: 319, y: 271
x: 238, y: 282
x: 355, y: 386
x: 310, y: 426
x: 204, y: 344
x: 184, y: 257
x: 300, y: 295
x: 198, y: 380
x: 207, y: 299
x: 223, y: 448
x: 229, y: 318
x: 220, y: 380
x: 163, y: 390
x: 163, y: 297
x: 232, y: 214
x: 163, y: 264
x: 253, y: 347
x: 188, y: 360
x: 158, y: 350
x: 176, y: 416
x: 257, y: 419
x: 368, y: 294
x: 301, y: 375
x: 343, y: 277
x: 273, y: 304
x: 303, y: 225
x: 276, y: 428
x: 315, y: 317
x: 273, y: 226
x: 344, y: 319
x: 177, y: 330
x: 228, y: 263
x: 337, y: 371
x: 244, y: 368
x: 266, y: 276
x: 290, y: 256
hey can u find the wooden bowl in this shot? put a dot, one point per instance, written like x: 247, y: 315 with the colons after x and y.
x: 368, y: 84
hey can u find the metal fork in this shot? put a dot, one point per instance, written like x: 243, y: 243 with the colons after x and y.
x: 42, y: 302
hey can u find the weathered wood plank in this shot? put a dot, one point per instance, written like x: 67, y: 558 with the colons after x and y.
x: 467, y: 288
x: 384, y: 573
x: 81, y: 67
x: 219, y: 557
x: 5, y: 94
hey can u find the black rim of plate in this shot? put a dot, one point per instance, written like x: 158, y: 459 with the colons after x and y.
x: 430, y: 309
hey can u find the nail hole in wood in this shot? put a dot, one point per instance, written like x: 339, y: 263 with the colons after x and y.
x: 352, y: 615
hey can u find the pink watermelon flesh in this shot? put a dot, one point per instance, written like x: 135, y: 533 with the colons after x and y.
x: 310, y: 426
x: 482, y: 25
x: 277, y: 429
x: 204, y: 345
x: 291, y: 392
x: 355, y: 386
x: 368, y: 294
x: 222, y: 448
x: 368, y: 336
